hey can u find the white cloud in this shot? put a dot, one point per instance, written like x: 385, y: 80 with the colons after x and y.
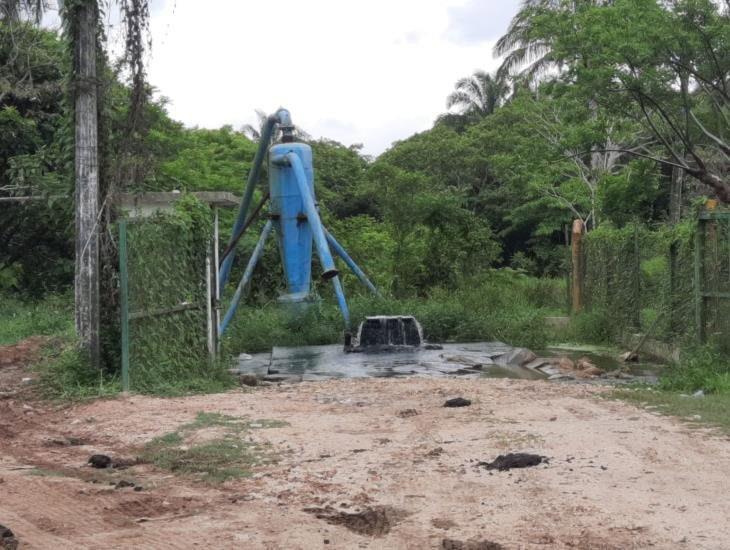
x: 358, y: 72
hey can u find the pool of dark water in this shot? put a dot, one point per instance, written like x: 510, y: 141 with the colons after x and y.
x: 479, y: 359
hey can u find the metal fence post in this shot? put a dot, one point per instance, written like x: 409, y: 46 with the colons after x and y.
x: 124, y: 295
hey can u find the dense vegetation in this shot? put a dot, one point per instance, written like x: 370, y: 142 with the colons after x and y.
x: 611, y: 111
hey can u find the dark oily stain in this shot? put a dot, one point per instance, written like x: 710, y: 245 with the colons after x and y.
x: 7, y: 539
x: 513, y: 460
x: 100, y: 461
x: 457, y: 402
x: 452, y: 544
x: 374, y: 521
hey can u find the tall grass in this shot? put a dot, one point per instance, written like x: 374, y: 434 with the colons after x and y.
x: 502, y: 305
x: 23, y: 317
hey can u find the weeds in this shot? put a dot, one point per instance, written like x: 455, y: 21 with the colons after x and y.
x: 219, y: 459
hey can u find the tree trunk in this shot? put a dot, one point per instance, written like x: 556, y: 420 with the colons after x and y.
x: 86, y: 281
x: 675, y: 195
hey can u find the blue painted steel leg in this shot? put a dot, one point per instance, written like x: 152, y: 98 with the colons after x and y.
x: 342, y: 302
x: 281, y: 117
x: 323, y: 251
x: 255, y: 256
x: 342, y: 253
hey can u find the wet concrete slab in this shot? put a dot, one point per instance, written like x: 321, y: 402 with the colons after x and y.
x: 479, y: 359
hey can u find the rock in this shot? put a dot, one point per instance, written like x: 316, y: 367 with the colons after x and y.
x: 7, y: 539
x: 629, y: 357
x: 433, y: 453
x: 698, y: 393
x: 561, y: 376
x: 536, y: 364
x: 513, y: 460
x: 405, y: 413
x: 588, y: 367
x: 100, y: 461
x: 457, y: 402
x: 518, y: 357
x: 463, y: 360
x: 433, y: 346
x: 565, y: 364
x: 248, y: 380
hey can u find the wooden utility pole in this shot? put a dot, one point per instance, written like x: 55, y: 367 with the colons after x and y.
x: 577, y: 256
x: 86, y: 281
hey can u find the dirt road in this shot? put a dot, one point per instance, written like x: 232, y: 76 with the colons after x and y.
x: 372, y: 463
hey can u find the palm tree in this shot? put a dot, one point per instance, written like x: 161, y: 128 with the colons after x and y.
x: 478, y: 95
x: 254, y: 132
x: 524, y: 52
x: 527, y: 50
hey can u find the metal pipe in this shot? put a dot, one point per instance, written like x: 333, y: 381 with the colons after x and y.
x: 329, y: 270
x: 282, y: 117
x: 255, y: 256
x: 340, y: 293
x: 342, y: 253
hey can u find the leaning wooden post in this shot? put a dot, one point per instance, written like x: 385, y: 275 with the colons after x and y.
x: 86, y: 280
x: 577, y: 258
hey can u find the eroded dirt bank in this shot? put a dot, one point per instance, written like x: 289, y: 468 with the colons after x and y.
x: 372, y: 463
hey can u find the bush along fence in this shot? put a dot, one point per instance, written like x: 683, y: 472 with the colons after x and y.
x: 165, y: 296
x: 671, y: 283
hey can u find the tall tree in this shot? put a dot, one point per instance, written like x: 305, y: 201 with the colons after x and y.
x: 478, y: 95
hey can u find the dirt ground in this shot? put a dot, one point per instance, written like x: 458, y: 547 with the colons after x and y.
x: 372, y: 463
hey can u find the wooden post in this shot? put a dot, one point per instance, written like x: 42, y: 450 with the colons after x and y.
x: 698, y: 282
x: 124, y: 299
x: 86, y: 280
x: 577, y: 257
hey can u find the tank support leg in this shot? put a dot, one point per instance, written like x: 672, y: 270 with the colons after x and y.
x: 359, y: 273
x: 255, y: 256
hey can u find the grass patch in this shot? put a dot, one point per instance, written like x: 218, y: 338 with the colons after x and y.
x: 21, y: 317
x: 222, y: 458
x: 711, y: 410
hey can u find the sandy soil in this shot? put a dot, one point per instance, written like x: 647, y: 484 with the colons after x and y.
x: 617, y: 477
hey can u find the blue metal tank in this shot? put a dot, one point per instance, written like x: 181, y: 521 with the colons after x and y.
x: 290, y: 221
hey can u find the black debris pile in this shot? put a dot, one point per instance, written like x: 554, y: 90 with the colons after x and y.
x: 100, y: 461
x: 513, y: 460
x: 7, y: 539
x: 453, y: 544
x: 457, y: 402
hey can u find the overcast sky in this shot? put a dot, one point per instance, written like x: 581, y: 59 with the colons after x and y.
x: 369, y: 72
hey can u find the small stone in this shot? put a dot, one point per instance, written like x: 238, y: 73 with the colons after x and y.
x: 553, y: 418
x: 248, y: 380
x: 698, y: 393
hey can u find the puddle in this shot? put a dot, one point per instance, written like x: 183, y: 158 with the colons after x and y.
x: 473, y: 360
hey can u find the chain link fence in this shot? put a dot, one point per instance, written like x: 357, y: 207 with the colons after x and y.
x: 165, y: 279
x: 671, y: 283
